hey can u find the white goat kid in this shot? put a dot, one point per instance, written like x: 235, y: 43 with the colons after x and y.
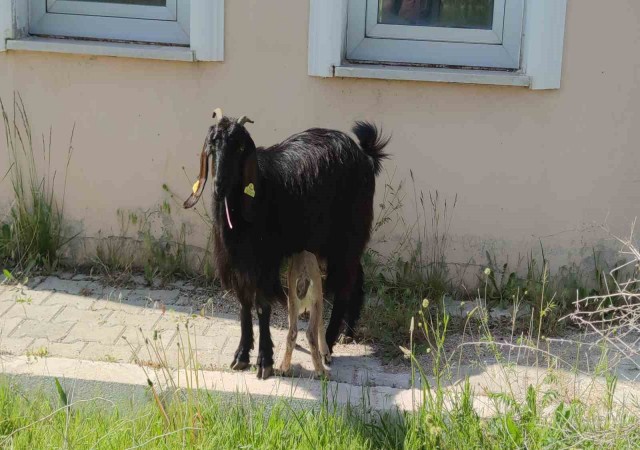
x: 305, y: 294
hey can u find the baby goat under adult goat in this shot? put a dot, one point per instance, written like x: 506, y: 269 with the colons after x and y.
x: 313, y: 191
x: 305, y: 294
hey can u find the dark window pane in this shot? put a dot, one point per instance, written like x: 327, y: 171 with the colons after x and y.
x: 130, y: 2
x: 437, y: 13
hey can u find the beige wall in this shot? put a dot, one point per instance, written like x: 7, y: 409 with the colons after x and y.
x: 524, y: 164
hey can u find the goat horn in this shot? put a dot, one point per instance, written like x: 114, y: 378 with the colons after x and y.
x: 217, y: 113
x: 244, y: 119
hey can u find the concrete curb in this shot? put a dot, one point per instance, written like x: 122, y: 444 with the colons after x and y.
x: 127, y: 383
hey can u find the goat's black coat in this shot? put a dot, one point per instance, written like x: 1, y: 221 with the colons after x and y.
x: 314, y: 191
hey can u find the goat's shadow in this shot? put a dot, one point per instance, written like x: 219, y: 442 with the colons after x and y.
x: 298, y: 371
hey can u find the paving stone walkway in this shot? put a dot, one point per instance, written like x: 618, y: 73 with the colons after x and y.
x: 78, y: 317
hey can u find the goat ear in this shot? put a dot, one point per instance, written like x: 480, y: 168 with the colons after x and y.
x: 250, y: 185
x: 198, y: 187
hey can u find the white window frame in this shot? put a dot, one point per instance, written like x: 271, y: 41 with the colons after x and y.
x: 427, y: 33
x: 539, y: 53
x: 367, y: 40
x: 131, y: 11
x: 204, y: 20
x: 63, y: 18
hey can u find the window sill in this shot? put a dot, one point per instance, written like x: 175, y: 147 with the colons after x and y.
x: 99, y: 48
x: 439, y: 75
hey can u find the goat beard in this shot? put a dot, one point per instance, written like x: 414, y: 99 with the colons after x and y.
x: 226, y: 208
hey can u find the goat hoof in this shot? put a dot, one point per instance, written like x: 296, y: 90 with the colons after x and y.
x: 239, y: 365
x: 322, y: 374
x: 285, y: 371
x: 264, y: 372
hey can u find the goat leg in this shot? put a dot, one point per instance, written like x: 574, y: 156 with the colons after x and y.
x: 343, y: 277
x: 314, y: 335
x: 355, y: 303
x: 333, y: 329
x: 292, y: 335
x: 265, y: 344
x: 322, y: 339
x: 241, y: 356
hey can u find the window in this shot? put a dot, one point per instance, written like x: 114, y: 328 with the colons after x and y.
x: 478, y: 33
x: 121, y: 28
x: 156, y: 21
x: 459, y: 41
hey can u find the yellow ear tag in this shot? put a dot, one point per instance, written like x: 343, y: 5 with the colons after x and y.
x: 195, y: 187
x: 250, y: 190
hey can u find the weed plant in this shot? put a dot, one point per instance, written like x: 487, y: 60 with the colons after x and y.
x: 33, y: 233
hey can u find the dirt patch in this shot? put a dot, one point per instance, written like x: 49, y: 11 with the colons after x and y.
x: 574, y: 351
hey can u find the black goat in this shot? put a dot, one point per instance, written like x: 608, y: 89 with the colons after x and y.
x: 313, y: 191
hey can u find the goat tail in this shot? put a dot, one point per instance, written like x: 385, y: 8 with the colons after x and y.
x: 372, y: 142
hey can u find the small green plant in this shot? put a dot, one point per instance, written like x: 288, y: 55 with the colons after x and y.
x: 413, y: 269
x: 62, y: 394
x: 33, y: 233
x: 115, y: 255
x: 109, y: 358
x: 549, y: 295
x: 165, y: 253
x: 503, y: 284
x: 7, y: 277
x: 150, y: 242
x: 416, y: 265
x: 40, y: 352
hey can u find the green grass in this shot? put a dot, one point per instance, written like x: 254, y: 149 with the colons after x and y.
x: 35, y: 420
x: 214, y: 423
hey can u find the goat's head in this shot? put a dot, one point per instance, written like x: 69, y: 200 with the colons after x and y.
x: 234, y: 165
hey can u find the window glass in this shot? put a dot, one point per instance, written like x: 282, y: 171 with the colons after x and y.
x: 476, y: 14
x: 130, y: 2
